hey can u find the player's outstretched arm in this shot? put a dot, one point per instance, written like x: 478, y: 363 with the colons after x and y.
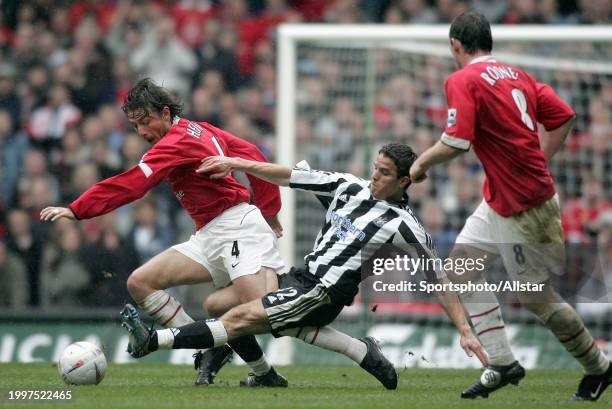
x: 55, y: 213
x: 221, y: 166
x: 439, y: 153
x: 454, y: 310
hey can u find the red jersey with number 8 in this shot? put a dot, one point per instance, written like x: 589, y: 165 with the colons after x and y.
x: 496, y: 108
x: 175, y: 159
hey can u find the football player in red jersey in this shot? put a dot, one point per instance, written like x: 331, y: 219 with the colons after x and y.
x: 495, y: 108
x: 232, y: 243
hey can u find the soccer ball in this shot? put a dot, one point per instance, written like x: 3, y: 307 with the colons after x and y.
x: 490, y: 378
x: 82, y: 363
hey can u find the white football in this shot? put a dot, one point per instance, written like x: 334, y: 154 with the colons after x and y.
x: 82, y: 363
x: 490, y: 378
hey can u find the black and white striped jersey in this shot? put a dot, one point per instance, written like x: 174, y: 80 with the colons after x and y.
x: 355, y: 219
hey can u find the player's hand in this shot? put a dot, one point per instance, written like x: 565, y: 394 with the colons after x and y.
x: 275, y: 224
x: 221, y: 165
x: 417, y: 173
x: 471, y: 346
x: 55, y: 213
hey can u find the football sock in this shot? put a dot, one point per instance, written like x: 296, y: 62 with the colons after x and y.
x: 165, y: 310
x: 569, y: 329
x: 165, y: 338
x: 332, y: 340
x: 261, y: 366
x: 485, y: 314
x: 249, y: 350
x: 199, y: 334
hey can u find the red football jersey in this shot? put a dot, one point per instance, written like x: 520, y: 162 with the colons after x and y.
x: 175, y: 158
x: 496, y: 109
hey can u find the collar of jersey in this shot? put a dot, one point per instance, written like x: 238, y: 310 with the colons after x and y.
x: 483, y: 58
x: 175, y: 120
x: 402, y: 203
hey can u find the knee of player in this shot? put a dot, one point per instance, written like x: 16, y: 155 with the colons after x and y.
x: 212, y: 307
x: 240, y: 317
x: 134, y: 281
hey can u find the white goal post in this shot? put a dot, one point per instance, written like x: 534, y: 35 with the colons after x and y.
x: 409, y: 38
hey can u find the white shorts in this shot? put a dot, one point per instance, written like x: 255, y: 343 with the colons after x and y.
x: 238, y: 242
x: 531, y: 243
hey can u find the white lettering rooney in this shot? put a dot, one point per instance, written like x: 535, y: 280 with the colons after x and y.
x: 495, y: 73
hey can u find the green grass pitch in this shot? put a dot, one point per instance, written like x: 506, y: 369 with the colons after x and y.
x: 153, y: 386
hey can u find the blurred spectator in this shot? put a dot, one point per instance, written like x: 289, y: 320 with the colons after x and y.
x: 130, y: 21
x: 203, y: 107
x: 84, y: 176
x: 9, y: 100
x: 149, y: 236
x: 24, y: 50
x: 435, y: 223
x: 49, y: 122
x: 34, y: 90
x: 192, y: 19
x: 595, y: 11
x: 109, y: 259
x: 35, y: 168
x: 49, y: 50
x: 163, y: 57
x: 14, y: 291
x: 123, y: 77
x: 343, y: 12
x: 73, y: 152
x: 410, y: 11
x: 92, y: 64
x: 446, y: 10
x: 13, y: 147
x: 113, y: 125
x: 107, y: 161
x: 251, y: 104
x: 581, y: 214
x: 521, y: 12
x: 64, y: 280
x: 26, y: 243
x: 217, y: 52
x: 132, y: 150
x: 59, y: 24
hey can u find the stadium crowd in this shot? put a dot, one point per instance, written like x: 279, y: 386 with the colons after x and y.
x: 66, y: 66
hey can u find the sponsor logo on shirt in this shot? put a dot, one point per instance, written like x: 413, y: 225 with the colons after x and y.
x: 343, y: 226
x: 452, y: 117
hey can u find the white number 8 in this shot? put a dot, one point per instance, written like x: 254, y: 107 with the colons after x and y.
x: 521, y: 104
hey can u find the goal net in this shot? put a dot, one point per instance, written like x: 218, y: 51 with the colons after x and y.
x: 344, y: 91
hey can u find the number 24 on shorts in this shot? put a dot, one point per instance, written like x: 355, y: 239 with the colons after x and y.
x: 281, y: 295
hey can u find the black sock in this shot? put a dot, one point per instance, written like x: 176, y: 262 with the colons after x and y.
x: 195, y: 335
x: 153, y: 344
x: 247, y: 348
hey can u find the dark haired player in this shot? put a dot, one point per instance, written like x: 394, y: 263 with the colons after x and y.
x: 360, y: 213
x: 495, y: 108
x: 232, y: 244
